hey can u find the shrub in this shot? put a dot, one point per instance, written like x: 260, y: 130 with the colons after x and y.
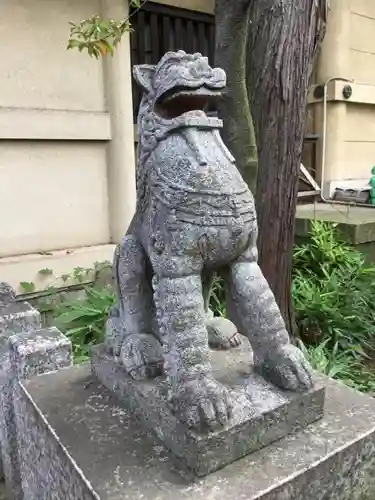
x: 345, y: 366
x: 333, y: 293
x: 83, y: 320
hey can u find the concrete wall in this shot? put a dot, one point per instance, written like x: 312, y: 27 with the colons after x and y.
x: 66, y: 142
x: 348, y: 52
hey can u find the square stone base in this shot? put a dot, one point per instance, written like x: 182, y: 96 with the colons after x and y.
x: 78, y: 443
x: 263, y: 415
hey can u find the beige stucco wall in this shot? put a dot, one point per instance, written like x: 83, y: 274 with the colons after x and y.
x: 66, y: 150
x: 39, y: 72
x: 207, y: 6
x: 53, y: 195
x: 67, y: 183
x: 348, y: 52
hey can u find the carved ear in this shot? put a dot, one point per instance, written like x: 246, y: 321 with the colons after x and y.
x: 143, y: 74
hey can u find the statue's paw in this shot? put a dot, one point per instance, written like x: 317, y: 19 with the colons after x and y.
x: 288, y: 369
x: 222, y: 333
x: 142, y: 356
x: 202, y: 404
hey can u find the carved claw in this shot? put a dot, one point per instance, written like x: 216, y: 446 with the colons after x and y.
x: 142, y: 356
x: 288, y: 369
x: 222, y: 333
x: 202, y: 404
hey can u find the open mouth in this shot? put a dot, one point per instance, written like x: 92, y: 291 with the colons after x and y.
x: 182, y: 100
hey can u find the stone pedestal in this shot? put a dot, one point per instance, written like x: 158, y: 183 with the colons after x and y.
x: 94, y: 449
x: 26, y: 350
x: 16, y: 318
x: 262, y: 413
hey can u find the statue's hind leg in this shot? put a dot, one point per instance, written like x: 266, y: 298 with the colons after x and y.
x: 130, y: 329
x: 222, y: 333
x: 253, y: 308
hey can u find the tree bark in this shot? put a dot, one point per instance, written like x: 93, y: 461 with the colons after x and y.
x: 283, y: 42
x: 232, y: 25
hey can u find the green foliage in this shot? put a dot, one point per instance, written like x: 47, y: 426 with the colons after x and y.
x: 27, y: 286
x: 46, y: 271
x: 333, y: 292
x: 77, y: 276
x: 100, y: 36
x: 83, y: 320
x: 217, y: 298
x: 346, y: 366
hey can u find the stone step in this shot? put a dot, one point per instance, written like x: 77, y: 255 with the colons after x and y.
x: 77, y: 441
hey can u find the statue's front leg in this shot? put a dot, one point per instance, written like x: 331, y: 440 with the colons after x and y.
x: 252, y: 306
x: 197, y: 399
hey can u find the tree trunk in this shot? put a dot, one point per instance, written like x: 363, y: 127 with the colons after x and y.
x: 232, y: 24
x: 283, y: 41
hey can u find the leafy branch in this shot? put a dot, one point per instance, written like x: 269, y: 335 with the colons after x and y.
x: 100, y: 36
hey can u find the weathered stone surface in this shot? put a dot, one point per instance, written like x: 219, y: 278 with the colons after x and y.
x: 263, y: 413
x: 18, y: 317
x: 333, y: 459
x: 25, y: 350
x: 40, y: 351
x: 15, y: 317
x: 7, y: 294
x: 47, y: 470
x: 24, y: 355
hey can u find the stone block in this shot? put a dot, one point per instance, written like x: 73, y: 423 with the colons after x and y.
x: 25, y: 354
x: 356, y: 224
x: 18, y: 317
x: 7, y: 293
x: 332, y: 459
x: 47, y: 470
x: 15, y: 318
x: 263, y: 415
x: 40, y: 351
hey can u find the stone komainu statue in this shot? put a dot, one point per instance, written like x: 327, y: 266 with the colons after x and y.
x: 195, y: 216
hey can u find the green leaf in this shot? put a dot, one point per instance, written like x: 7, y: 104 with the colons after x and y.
x: 73, y: 315
x: 45, y: 272
x: 27, y: 286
